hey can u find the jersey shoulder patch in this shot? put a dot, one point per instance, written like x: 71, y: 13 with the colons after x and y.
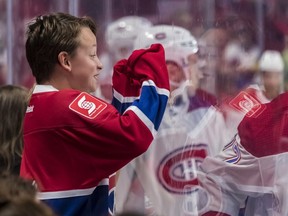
x: 87, y: 105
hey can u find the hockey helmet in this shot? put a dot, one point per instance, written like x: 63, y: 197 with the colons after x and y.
x: 272, y: 61
x: 121, y: 33
x: 177, y: 42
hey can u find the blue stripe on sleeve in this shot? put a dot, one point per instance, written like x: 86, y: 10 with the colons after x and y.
x: 154, y: 109
x: 121, y: 107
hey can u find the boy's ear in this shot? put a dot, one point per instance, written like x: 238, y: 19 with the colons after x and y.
x: 63, y: 59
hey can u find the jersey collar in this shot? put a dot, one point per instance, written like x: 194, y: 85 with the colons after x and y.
x: 44, y: 88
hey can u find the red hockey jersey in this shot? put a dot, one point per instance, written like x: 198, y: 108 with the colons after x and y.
x: 73, y: 141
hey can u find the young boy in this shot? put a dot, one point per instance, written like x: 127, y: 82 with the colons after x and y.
x: 74, y: 141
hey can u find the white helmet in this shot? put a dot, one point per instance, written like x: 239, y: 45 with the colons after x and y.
x: 121, y: 33
x: 272, y: 61
x: 177, y: 42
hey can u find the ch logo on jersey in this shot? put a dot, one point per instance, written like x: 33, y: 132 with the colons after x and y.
x: 179, y: 168
x: 87, y: 105
x: 248, y: 104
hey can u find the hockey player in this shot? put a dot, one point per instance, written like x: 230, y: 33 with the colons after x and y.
x: 253, y: 164
x: 119, y: 38
x: 247, y: 173
x: 73, y: 141
x: 167, y: 173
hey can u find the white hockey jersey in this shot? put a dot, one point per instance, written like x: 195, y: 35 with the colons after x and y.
x: 168, y: 172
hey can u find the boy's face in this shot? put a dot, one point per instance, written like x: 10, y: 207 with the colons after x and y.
x: 85, y: 63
